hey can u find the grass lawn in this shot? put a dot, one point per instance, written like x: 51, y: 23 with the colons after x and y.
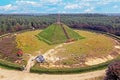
x: 93, y: 44
x: 55, y: 34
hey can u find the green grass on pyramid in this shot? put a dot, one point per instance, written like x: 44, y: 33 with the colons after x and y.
x: 58, y: 33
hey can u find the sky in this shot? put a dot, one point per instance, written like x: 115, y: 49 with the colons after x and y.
x: 59, y: 6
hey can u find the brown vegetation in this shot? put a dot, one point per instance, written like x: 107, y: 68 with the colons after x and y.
x: 113, y: 71
x: 8, y: 48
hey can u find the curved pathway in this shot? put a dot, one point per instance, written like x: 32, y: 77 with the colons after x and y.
x: 19, y: 75
x: 30, y: 63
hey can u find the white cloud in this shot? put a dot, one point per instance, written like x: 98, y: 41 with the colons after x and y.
x: 98, y: 0
x: 115, y: 6
x: 28, y: 3
x: 57, y: 5
x: 89, y: 10
x: 77, y: 5
x: 26, y: 6
x: 51, y: 9
x: 51, y: 1
x: 104, y: 2
x: 111, y: 0
x: 86, y: 4
x: 61, y: 12
x: 86, y: 0
x: 72, y: 6
x: 8, y: 7
x: 21, y: 6
x: 54, y: 1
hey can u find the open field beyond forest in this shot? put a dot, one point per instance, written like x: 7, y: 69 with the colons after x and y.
x: 93, y: 45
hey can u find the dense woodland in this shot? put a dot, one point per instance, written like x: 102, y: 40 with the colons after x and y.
x: 100, y: 22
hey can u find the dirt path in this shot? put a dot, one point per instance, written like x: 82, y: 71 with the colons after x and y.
x: 50, y: 54
x: 18, y: 75
x: 30, y: 63
x: 49, y: 57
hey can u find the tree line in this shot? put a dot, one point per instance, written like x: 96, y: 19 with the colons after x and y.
x: 100, y: 22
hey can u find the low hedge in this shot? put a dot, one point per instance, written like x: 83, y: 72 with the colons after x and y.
x: 9, y: 65
x: 72, y: 70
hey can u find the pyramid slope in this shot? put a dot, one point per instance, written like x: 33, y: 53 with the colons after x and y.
x: 56, y: 34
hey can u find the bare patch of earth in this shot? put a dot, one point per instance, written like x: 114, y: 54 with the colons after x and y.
x: 51, y: 58
x: 18, y: 75
x: 96, y: 60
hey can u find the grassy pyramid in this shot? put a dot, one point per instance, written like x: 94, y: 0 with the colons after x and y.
x: 58, y: 33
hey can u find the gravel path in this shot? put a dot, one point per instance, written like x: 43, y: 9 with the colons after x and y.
x: 19, y: 75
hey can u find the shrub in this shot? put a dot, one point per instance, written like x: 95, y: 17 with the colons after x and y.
x: 113, y: 71
x: 9, y: 65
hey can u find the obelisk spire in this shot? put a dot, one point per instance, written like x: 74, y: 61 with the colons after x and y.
x: 58, y: 19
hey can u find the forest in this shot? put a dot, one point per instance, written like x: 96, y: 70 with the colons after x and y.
x: 100, y: 22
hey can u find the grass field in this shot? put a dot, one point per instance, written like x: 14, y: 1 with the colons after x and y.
x: 93, y: 45
x: 29, y: 43
x: 55, y: 34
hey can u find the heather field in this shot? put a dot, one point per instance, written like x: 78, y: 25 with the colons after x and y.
x: 8, y: 48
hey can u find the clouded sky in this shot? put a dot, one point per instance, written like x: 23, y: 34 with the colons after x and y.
x: 59, y: 6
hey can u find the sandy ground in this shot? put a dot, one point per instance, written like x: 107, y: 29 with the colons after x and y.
x: 19, y: 75
x: 51, y: 58
x: 96, y: 60
x: 30, y: 63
